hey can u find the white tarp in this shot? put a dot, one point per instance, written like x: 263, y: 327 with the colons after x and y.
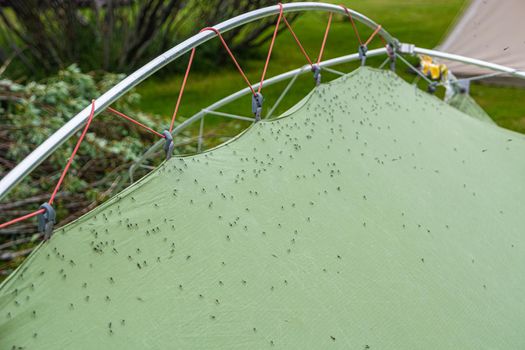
x: 490, y: 30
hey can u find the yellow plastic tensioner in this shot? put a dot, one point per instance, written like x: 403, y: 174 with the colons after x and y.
x: 432, y: 69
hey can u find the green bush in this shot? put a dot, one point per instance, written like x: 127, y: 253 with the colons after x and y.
x: 30, y: 113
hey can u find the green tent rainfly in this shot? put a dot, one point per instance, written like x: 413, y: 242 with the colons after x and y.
x: 371, y: 215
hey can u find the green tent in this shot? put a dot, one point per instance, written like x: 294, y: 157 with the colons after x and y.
x: 371, y: 215
x: 466, y: 104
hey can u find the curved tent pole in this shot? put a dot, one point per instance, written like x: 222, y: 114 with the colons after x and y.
x: 246, y: 91
x: 288, y: 75
x: 472, y: 61
x: 66, y: 131
x: 74, y: 124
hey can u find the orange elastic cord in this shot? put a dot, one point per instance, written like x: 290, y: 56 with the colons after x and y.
x: 298, y: 42
x: 120, y: 114
x: 70, y: 160
x: 373, y: 35
x: 383, y: 40
x: 14, y: 221
x: 353, y: 24
x: 181, y: 91
x: 232, y: 57
x: 324, y: 39
x: 62, y: 176
x: 275, y: 31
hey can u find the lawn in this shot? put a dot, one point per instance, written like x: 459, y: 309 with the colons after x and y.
x: 421, y: 22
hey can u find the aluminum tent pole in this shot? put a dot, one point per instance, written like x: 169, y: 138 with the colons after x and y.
x: 328, y: 63
x: 228, y: 99
x: 74, y: 124
x: 471, y: 61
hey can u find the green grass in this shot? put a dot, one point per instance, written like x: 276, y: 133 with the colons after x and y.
x: 421, y: 22
x: 504, y: 104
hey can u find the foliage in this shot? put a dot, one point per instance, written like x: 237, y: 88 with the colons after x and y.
x: 247, y: 37
x: 30, y: 113
x: 113, y: 35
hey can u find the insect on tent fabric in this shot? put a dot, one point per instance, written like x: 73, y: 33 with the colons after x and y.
x: 371, y: 215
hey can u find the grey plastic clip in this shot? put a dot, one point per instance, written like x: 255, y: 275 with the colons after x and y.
x: 432, y: 87
x: 463, y: 86
x: 169, y: 145
x: 46, y: 220
x: 392, y: 54
x: 317, y: 74
x: 257, y: 102
x: 362, y: 50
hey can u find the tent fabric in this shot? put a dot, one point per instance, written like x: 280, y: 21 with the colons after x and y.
x: 490, y: 31
x: 372, y: 215
x: 466, y: 104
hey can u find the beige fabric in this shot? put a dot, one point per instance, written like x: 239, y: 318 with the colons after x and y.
x: 490, y: 30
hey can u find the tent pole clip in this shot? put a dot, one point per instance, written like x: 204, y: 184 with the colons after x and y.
x: 316, y: 69
x: 257, y: 103
x: 362, y: 50
x: 391, y: 52
x: 463, y: 86
x: 169, y: 145
x: 432, y: 87
x: 46, y: 220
